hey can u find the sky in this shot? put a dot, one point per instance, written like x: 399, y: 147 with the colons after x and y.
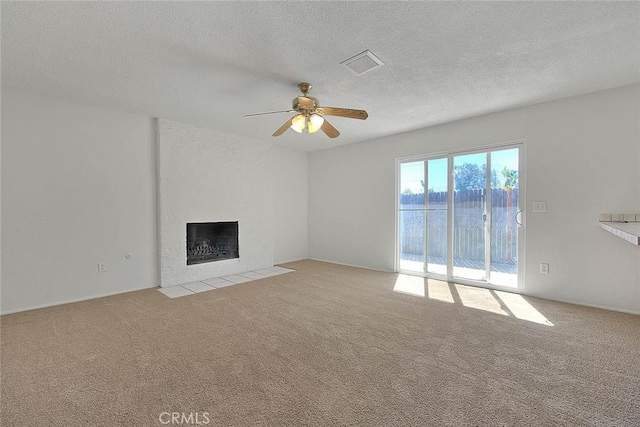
x: 412, y: 173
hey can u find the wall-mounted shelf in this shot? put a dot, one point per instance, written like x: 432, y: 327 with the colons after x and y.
x: 629, y: 231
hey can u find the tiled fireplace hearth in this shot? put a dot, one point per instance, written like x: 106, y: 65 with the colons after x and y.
x: 222, y: 282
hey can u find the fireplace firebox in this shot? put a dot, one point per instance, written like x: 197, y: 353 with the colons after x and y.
x: 212, y: 241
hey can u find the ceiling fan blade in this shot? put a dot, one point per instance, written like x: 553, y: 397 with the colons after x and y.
x: 283, y: 128
x: 329, y: 129
x: 344, y: 112
x: 268, y: 112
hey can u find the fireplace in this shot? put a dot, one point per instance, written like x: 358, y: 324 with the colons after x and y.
x: 211, y: 241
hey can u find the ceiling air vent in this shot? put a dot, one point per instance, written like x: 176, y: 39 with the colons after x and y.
x: 363, y: 62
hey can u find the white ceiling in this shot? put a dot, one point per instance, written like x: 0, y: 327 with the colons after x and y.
x: 208, y: 63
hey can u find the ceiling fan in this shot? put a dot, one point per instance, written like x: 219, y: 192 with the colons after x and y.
x: 310, y: 115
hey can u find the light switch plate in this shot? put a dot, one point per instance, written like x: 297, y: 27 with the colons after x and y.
x: 544, y: 268
x: 539, y: 206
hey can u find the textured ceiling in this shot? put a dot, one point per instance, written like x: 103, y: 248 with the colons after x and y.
x: 208, y: 63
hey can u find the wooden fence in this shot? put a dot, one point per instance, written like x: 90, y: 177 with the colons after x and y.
x: 469, y: 236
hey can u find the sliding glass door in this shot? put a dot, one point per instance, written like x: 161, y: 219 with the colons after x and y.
x: 423, y: 216
x: 458, y: 216
x: 470, y: 216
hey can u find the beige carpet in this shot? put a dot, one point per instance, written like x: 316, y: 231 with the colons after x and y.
x: 325, y: 345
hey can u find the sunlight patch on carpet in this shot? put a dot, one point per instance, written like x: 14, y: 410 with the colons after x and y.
x: 521, y: 308
x: 412, y: 285
x: 439, y: 291
x: 480, y: 298
x: 498, y: 302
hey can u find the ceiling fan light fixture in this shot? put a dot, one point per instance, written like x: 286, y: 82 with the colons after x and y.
x: 315, y: 122
x: 298, y: 123
x: 307, y: 124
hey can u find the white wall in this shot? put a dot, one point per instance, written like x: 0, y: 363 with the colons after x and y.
x: 210, y: 176
x: 290, y: 204
x: 581, y: 157
x: 78, y: 188
x: 0, y: 213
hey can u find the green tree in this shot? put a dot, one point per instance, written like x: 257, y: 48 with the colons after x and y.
x: 510, y: 182
x: 470, y: 176
x: 495, y: 181
x: 510, y: 178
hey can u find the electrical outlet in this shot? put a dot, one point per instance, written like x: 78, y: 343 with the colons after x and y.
x: 544, y: 268
x: 539, y: 206
x: 102, y: 267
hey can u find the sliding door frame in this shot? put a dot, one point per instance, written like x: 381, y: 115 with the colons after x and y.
x: 520, y: 213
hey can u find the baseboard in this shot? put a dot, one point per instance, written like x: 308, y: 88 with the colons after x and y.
x: 108, y: 294
x: 291, y: 260
x: 53, y: 304
x: 584, y: 304
x: 351, y: 265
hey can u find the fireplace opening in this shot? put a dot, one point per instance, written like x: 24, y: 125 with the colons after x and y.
x: 211, y: 241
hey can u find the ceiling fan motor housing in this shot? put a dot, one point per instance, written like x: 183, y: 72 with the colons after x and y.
x: 304, y: 104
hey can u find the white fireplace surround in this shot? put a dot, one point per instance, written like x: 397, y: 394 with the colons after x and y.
x: 210, y: 176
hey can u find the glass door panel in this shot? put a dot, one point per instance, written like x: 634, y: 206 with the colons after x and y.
x: 412, y: 241
x: 437, y: 201
x: 469, y: 216
x: 504, y: 210
x: 411, y: 218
